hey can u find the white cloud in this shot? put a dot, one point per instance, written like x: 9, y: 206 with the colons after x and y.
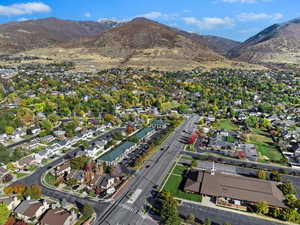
x: 246, y: 17
x: 87, y: 15
x: 24, y: 8
x: 23, y: 19
x: 111, y: 20
x: 209, y: 22
x: 158, y: 15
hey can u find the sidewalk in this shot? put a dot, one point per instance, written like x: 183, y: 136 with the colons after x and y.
x: 209, y: 204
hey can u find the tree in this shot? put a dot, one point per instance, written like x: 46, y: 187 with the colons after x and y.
x: 207, y: 221
x: 194, y: 163
x: 10, y: 166
x: 252, y: 121
x: 9, y: 130
x: 34, y: 191
x: 4, y: 212
x: 20, y: 223
x: 190, y: 218
x: 287, y: 188
x: 290, y: 215
x: 47, y: 125
x: 71, y: 182
x: 168, y: 209
x: 275, y: 212
x: 79, y: 163
x: 261, y: 174
x: 275, y: 176
x: 18, y: 189
x: 88, y: 210
x: 262, y: 208
x: 129, y: 129
x: 7, y: 178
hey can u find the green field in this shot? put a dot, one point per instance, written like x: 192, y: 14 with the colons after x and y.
x: 168, y: 105
x: 174, y: 185
x: 179, y: 169
x: 265, y: 146
x: 226, y: 124
x: 50, y: 179
x: 20, y: 175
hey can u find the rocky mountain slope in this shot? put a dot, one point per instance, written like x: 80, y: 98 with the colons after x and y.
x: 27, y: 35
x: 142, y: 40
x: 219, y: 44
x: 277, y: 44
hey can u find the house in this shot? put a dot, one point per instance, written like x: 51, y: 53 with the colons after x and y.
x: 78, y: 175
x: 62, y: 169
x: 47, y: 138
x: 26, y: 161
x: 31, y: 210
x: 11, y: 201
x: 95, y: 181
x: 94, y: 150
x: 107, y: 182
x: 58, y: 216
x: 3, y: 172
x: 33, y: 130
x: 158, y: 124
x: 250, y: 151
x: 60, y: 134
x: 3, y: 137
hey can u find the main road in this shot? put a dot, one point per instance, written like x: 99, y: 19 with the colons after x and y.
x: 123, y: 211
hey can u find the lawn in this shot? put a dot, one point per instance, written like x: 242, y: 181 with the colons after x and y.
x: 50, y: 179
x: 265, y: 147
x: 20, y: 175
x: 179, y: 169
x: 186, y: 158
x: 33, y: 167
x: 226, y: 124
x: 173, y: 186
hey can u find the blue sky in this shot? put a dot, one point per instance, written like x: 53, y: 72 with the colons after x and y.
x: 235, y: 19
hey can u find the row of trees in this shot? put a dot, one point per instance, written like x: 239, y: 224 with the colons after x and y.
x: 33, y: 191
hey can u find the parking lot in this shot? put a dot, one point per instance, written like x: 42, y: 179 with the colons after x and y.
x: 130, y: 159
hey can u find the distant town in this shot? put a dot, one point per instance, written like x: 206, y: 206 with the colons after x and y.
x: 123, y: 145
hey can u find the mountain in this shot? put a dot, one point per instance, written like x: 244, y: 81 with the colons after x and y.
x: 142, y: 40
x: 219, y: 44
x: 107, y: 43
x: 27, y: 35
x: 277, y: 44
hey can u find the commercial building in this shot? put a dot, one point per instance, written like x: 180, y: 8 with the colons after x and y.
x: 232, y: 190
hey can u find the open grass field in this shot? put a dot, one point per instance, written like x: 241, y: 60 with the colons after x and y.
x: 265, y: 146
x: 175, y: 183
x: 226, y: 124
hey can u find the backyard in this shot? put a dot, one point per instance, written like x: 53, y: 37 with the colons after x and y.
x: 226, y: 124
x: 265, y: 146
x: 174, y: 185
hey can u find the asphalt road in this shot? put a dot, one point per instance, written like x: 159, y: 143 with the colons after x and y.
x: 35, y: 178
x: 123, y: 212
x: 249, y: 164
x: 218, y: 216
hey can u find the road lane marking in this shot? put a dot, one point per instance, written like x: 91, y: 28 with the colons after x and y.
x: 134, y: 196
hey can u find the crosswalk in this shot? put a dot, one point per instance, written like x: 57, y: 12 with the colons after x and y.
x: 132, y: 209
